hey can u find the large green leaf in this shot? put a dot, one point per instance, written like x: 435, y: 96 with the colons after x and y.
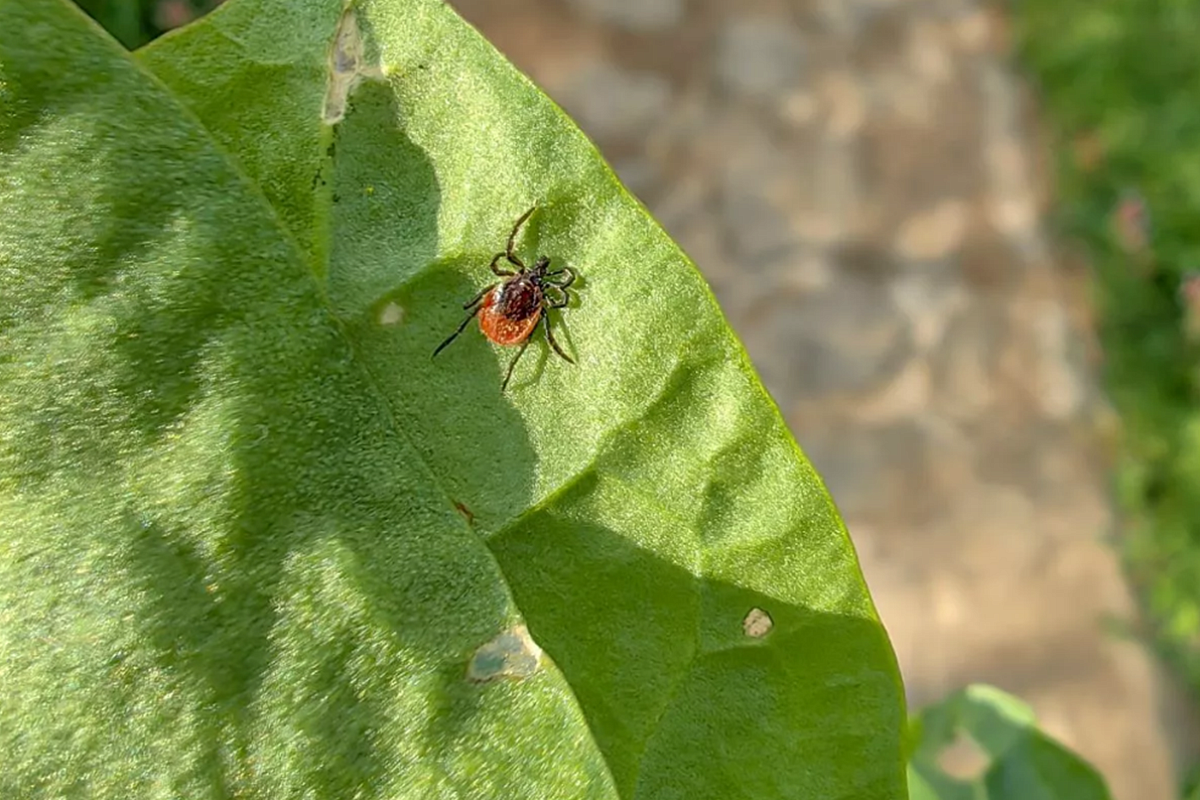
x: 1020, y: 762
x: 257, y: 543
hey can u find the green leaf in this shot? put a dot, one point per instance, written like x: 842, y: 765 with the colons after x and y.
x: 1019, y: 761
x: 258, y: 543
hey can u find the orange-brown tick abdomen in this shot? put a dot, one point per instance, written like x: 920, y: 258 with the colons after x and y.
x: 511, y: 311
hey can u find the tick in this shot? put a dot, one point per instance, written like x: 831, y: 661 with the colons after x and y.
x: 509, y: 311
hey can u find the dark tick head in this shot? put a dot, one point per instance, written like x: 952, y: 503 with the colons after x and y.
x: 542, y: 264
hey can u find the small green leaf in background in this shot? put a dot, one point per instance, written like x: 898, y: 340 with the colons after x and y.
x: 1019, y: 762
x: 257, y: 543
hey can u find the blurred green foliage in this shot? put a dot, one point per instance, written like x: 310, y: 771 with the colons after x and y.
x: 1001, y: 753
x: 135, y: 22
x: 1120, y: 87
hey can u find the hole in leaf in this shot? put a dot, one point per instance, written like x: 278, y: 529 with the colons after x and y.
x: 391, y: 314
x: 512, y: 654
x: 757, y: 623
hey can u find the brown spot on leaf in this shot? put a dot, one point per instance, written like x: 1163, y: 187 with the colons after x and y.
x: 511, y: 654
x: 347, y: 67
x: 466, y: 512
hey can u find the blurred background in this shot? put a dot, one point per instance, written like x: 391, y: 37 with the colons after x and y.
x: 957, y: 238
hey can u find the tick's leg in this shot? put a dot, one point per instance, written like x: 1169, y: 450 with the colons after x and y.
x: 550, y: 301
x: 565, y: 282
x: 512, y: 237
x: 554, y: 344
x: 513, y: 363
x: 492, y: 266
x: 478, y: 297
x: 454, y: 335
x: 512, y: 257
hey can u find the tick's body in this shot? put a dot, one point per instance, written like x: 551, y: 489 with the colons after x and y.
x: 509, y: 311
